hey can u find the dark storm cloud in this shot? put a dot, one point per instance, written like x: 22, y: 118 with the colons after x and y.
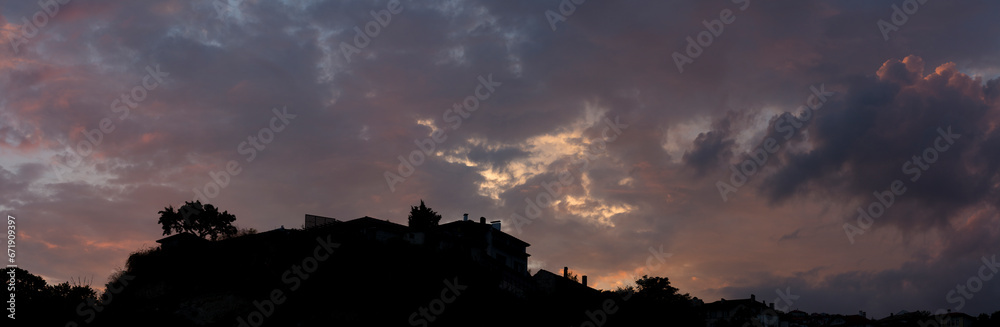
x: 710, y: 149
x: 862, y: 144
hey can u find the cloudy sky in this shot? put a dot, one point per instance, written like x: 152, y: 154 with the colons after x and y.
x: 597, y: 132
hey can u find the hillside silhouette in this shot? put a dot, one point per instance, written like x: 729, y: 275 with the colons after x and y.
x: 364, y: 271
x: 373, y: 272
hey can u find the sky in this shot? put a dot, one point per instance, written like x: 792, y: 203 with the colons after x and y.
x: 826, y: 156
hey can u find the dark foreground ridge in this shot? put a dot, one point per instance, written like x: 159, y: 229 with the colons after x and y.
x: 371, y: 272
x: 361, y: 272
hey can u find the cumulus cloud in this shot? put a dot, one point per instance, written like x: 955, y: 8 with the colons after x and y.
x: 862, y: 144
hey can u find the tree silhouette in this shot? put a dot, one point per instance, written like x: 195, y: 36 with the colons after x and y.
x: 423, y: 217
x: 658, y: 288
x: 573, y: 277
x: 47, y: 305
x: 197, y: 219
x: 653, y: 301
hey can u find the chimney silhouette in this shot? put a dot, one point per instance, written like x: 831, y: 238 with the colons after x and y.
x: 584, y: 280
x: 482, y: 220
x: 565, y: 272
x: 753, y: 298
x: 465, y: 217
